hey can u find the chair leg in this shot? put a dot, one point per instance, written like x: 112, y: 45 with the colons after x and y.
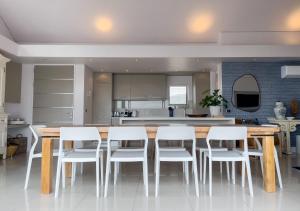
x: 243, y: 173
x: 221, y: 169
x: 200, y: 164
x: 118, y: 168
x: 210, y: 176
x: 186, y: 164
x: 101, y: 168
x: 249, y: 177
x: 107, y: 173
x: 194, y: 163
x: 233, y: 172
x: 261, y: 165
x: 28, y: 171
x: 277, y: 167
x: 145, y: 173
x: 97, y: 178
x: 63, y: 170
x: 81, y: 168
x: 115, y: 172
x: 228, y: 171
x: 183, y: 168
x: 73, y: 173
x: 204, y: 169
x: 57, y: 178
x: 157, y: 176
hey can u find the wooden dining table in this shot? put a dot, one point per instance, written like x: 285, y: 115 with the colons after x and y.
x: 265, y: 132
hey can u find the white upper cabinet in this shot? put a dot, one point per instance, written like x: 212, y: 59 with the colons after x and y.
x: 121, y: 87
x: 139, y: 87
x: 148, y: 87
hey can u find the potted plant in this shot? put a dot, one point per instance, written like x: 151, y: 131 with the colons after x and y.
x: 214, y: 102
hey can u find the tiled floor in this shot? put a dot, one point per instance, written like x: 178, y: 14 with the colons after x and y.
x: 128, y: 194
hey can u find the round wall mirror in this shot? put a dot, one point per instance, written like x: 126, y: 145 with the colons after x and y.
x: 246, y: 93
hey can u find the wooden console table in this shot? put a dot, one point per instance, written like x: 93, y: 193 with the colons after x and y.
x: 286, y: 127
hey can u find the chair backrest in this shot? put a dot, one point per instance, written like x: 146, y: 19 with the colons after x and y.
x: 36, y: 134
x: 217, y: 133
x: 175, y: 133
x: 79, y: 134
x: 127, y: 134
x: 35, y: 131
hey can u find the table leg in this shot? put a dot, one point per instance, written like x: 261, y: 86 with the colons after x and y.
x: 269, y: 164
x: 68, y: 146
x: 281, y: 141
x: 46, y: 168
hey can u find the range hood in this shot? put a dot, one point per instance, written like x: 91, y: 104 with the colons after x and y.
x: 290, y: 72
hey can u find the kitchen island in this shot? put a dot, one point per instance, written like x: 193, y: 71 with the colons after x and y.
x: 176, y: 120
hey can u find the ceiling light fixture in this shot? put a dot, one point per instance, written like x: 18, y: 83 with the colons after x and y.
x: 200, y: 23
x: 104, y: 24
x: 293, y: 20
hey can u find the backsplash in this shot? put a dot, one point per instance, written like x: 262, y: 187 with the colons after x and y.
x: 272, y: 87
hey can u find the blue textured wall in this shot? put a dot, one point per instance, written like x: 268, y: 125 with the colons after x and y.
x: 273, y: 88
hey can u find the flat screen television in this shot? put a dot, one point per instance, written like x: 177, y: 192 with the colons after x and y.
x: 247, y: 100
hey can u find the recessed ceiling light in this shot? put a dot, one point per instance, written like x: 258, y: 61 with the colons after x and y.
x: 293, y: 21
x: 200, y: 23
x: 104, y: 24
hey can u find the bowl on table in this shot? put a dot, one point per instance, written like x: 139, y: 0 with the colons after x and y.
x: 290, y: 118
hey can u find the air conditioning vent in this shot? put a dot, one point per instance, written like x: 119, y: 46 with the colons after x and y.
x: 290, y: 72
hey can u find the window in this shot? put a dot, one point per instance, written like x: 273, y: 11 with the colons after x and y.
x: 177, y: 95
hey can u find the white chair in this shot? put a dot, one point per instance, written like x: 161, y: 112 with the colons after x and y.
x: 77, y: 134
x: 228, y: 133
x: 127, y: 154
x: 205, y: 149
x: 175, y: 133
x: 37, y: 137
x: 259, y: 153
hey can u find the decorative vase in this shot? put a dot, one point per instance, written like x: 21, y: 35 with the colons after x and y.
x: 215, y: 110
x: 279, y: 110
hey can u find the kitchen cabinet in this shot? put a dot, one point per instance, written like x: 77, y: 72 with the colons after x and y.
x: 13, y: 82
x: 122, y: 85
x: 148, y: 87
x: 140, y: 87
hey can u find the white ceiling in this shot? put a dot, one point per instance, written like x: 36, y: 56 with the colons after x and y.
x: 140, y: 21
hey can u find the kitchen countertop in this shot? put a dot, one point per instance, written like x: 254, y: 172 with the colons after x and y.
x: 178, y: 120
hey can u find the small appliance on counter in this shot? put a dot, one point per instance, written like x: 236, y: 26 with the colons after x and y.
x: 171, y: 111
x: 16, y: 121
x: 125, y: 113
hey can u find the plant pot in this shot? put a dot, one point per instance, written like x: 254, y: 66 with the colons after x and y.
x: 215, y: 110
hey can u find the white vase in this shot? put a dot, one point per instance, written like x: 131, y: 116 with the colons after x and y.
x: 215, y: 110
x: 279, y: 110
